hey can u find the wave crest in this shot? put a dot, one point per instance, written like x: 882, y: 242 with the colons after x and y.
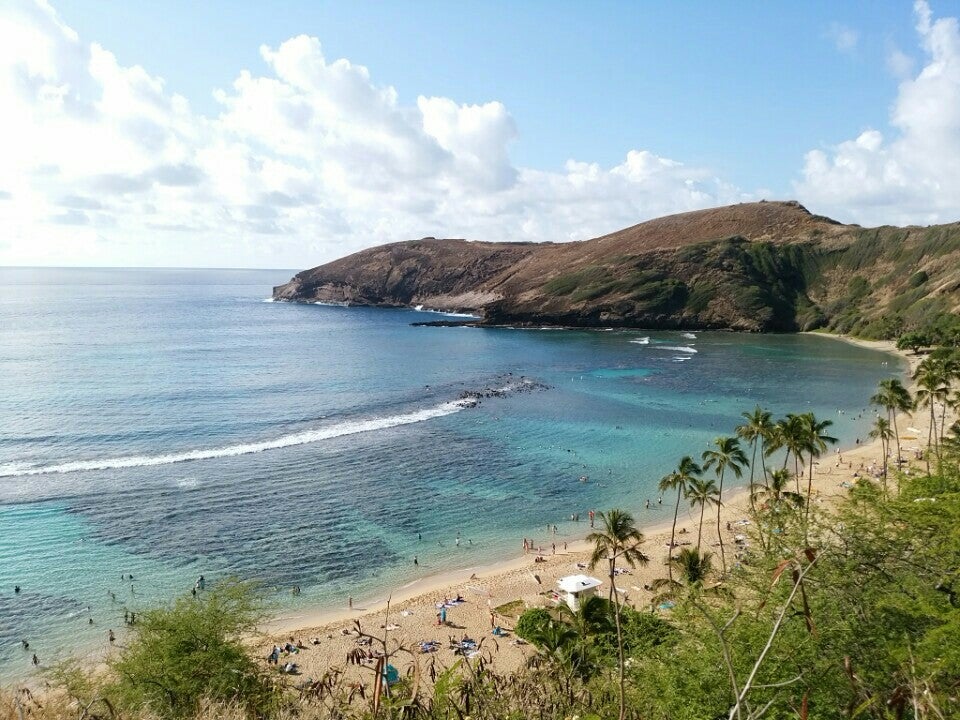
x: 349, y: 427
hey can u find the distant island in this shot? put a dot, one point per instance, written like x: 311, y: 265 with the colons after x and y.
x: 756, y: 267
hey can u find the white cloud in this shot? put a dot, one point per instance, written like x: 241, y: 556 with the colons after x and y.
x: 900, y: 64
x: 845, y: 39
x: 913, y: 176
x: 310, y: 160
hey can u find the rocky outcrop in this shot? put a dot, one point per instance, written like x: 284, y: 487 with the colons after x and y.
x: 767, y: 266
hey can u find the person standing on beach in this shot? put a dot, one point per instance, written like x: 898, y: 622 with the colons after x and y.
x: 591, y: 514
x: 416, y: 563
x: 350, y: 602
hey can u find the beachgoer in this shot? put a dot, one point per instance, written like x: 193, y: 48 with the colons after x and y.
x: 591, y: 516
x: 133, y: 618
x: 110, y: 636
x: 36, y: 660
x: 16, y: 589
x: 26, y: 645
x: 647, y: 505
x: 90, y: 621
x: 193, y: 591
x: 416, y: 562
x: 553, y: 547
x: 419, y: 536
x: 350, y: 602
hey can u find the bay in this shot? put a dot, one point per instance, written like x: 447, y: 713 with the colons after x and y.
x: 170, y: 423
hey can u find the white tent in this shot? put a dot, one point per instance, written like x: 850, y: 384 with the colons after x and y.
x: 576, y: 588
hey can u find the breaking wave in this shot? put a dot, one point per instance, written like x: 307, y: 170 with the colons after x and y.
x: 349, y: 427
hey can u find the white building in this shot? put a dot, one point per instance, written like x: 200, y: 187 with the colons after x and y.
x: 574, y: 589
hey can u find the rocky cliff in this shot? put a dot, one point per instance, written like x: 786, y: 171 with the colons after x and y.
x: 767, y: 266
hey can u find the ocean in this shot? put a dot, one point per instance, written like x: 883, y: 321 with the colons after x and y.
x: 170, y: 423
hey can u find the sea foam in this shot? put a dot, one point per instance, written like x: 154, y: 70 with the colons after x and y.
x: 349, y: 427
x: 641, y: 341
x: 677, y: 349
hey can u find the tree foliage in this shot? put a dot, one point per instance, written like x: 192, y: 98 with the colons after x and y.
x: 191, y: 651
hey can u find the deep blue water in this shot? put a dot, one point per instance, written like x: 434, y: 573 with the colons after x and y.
x: 167, y: 423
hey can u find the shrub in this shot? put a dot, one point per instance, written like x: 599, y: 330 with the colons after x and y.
x: 531, y: 622
x: 192, y: 651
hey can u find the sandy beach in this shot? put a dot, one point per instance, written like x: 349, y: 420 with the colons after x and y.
x: 496, y: 594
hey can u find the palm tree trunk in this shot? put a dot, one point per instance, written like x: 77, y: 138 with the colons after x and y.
x: 753, y: 461
x: 943, y: 418
x: 884, y: 443
x: 673, y: 534
x: 616, y: 618
x: 723, y: 558
x: 806, y: 518
x: 896, y: 432
x: 763, y: 462
x: 703, y: 507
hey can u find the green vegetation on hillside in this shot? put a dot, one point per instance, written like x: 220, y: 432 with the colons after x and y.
x: 873, y: 288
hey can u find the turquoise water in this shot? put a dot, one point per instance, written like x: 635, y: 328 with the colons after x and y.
x: 168, y: 423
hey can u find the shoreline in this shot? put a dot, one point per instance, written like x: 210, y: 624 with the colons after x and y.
x: 319, y: 616
x: 488, y: 585
x: 518, y: 580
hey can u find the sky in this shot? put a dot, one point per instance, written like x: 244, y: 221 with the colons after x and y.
x: 287, y: 134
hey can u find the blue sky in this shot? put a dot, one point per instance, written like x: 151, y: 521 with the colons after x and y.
x: 718, y: 102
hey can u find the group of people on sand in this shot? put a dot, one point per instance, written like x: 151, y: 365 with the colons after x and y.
x: 288, y: 649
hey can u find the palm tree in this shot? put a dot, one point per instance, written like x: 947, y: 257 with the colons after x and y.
x: 932, y: 386
x: 881, y: 431
x: 593, y: 616
x: 725, y: 453
x: 703, y: 493
x: 693, y: 568
x: 678, y: 480
x: 950, y: 364
x: 776, y: 497
x: 618, y: 538
x: 789, y: 433
x: 892, y: 395
x: 572, y: 643
x: 815, y: 440
x: 755, y: 430
x: 776, y: 494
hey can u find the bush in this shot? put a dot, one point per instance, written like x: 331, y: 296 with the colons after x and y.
x: 531, y: 622
x: 192, y: 651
